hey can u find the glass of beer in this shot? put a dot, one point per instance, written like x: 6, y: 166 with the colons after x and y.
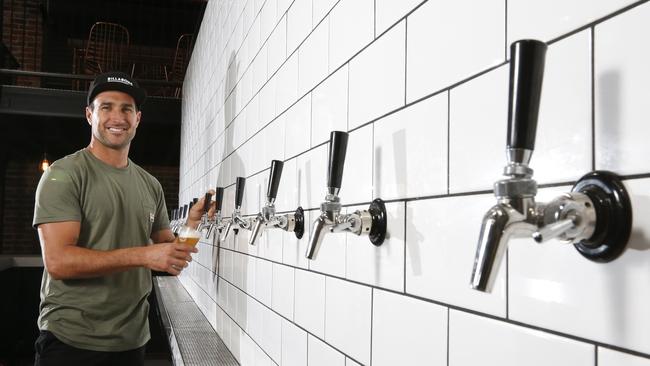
x: 187, y: 235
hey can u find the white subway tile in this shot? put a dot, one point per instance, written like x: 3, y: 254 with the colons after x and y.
x: 272, y: 142
x: 545, y: 20
x: 283, y: 6
x: 270, y: 245
x: 320, y: 354
x: 330, y: 107
x: 287, y: 84
x: 621, y: 77
x: 441, y: 239
x: 407, y: 331
x: 356, y: 184
x: 348, y: 317
x: 294, y: 345
x: 268, y: 18
x: 410, y: 151
x: 377, y: 77
x: 321, y: 8
x: 381, y: 266
x: 497, y: 343
x: 553, y: 286
x: 255, y: 318
x: 249, y: 264
x: 310, y: 302
x: 351, y: 362
x: 312, y: 178
x: 283, y: 290
x: 293, y: 249
x: 478, y: 121
x: 450, y: 41
x: 331, y: 255
x: 277, y: 46
x: 608, y: 357
x: 298, y: 23
x: 351, y: 28
x: 388, y: 12
x: 263, y: 281
x: 297, y: 128
x: 268, y: 96
x: 272, y: 335
x: 312, y: 59
x: 287, y: 199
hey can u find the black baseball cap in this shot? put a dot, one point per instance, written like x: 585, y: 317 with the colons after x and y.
x: 117, y: 81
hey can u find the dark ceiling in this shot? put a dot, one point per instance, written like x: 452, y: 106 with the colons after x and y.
x: 153, y: 25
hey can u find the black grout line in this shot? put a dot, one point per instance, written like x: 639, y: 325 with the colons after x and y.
x: 593, y: 99
x: 595, y: 355
x: 406, y: 42
x: 448, y: 330
x: 448, y: 142
x: 405, y: 244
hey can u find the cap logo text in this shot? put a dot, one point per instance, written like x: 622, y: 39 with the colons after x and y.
x: 113, y: 79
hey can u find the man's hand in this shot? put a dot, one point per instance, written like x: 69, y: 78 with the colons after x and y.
x: 169, y: 257
x: 198, y: 209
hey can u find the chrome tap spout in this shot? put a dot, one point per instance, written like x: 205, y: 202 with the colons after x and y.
x: 321, y: 226
x: 257, y: 229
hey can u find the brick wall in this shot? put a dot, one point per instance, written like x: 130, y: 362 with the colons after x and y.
x: 22, y: 33
x: 20, y: 181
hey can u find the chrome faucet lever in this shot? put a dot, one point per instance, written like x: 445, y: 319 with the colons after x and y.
x: 371, y: 222
x: 267, y: 218
x: 571, y: 217
x: 237, y: 221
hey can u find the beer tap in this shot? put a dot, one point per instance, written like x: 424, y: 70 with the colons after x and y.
x: 596, y: 216
x: 182, y: 215
x: 268, y: 219
x: 216, y: 222
x: 237, y: 219
x: 205, y: 220
x: 371, y: 222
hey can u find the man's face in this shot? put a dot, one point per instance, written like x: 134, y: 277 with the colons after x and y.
x: 114, y: 119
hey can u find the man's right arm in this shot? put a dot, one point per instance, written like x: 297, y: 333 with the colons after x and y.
x: 64, y: 259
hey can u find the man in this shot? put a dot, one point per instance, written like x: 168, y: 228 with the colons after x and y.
x: 96, y: 212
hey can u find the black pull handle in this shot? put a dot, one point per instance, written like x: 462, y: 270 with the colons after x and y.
x: 337, y: 148
x: 274, y: 179
x: 184, y: 211
x: 192, y: 202
x: 218, y: 197
x: 239, y: 191
x: 526, y: 75
x: 206, y: 202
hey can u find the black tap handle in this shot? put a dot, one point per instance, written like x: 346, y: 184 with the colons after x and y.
x: 239, y: 191
x: 191, y: 204
x: 184, y: 211
x: 206, y: 202
x: 337, y: 148
x: 195, y: 200
x: 274, y: 179
x: 218, y: 198
x: 526, y: 75
x: 175, y: 214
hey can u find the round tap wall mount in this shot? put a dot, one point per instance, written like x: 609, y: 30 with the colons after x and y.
x: 613, y: 216
x: 377, y: 211
x: 299, y: 216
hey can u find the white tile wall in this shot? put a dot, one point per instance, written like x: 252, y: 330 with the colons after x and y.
x: 269, y: 79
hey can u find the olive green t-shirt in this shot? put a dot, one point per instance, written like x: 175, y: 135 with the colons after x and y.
x: 117, y: 208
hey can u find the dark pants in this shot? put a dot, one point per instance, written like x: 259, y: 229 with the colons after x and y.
x: 50, y: 351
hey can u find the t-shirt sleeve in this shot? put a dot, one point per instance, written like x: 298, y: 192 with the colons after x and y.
x: 57, y: 198
x: 161, y: 221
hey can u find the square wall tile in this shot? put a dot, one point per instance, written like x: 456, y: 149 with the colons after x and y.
x: 329, y: 107
x: 407, y: 331
x: 312, y: 177
x: 608, y: 357
x: 441, y: 240
x: 410, y: 151
x: 388, y: 12
x: 356, y: 184
x: 545, y: 20
x: 294, y: 345
x: 283, y: 290
x: 297, y: 128
x: 320, y: 354
x: 310, y: 302
x: 478, y: 121
x: 381, y: 266
x: 439, y: 33
x: 554, y: 287
x: 312, y: 59
x: 351, y: 28
x: 377, y: 77
x: 497, y: 343
x: 263, y: 281
x: 348, y: 317
x: 299, y: 23
x: 621, y: 56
